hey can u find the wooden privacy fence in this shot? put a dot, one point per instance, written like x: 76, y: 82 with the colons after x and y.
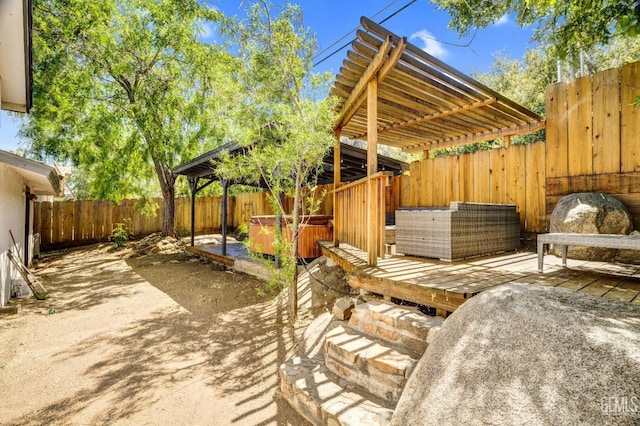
x: 69, y: 223
x: 593, y: 137
x: 514, y: 175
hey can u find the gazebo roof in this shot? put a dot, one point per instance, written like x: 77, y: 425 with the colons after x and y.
x: 203, y: 165
x: 352, y: 164
x: 423, y: 103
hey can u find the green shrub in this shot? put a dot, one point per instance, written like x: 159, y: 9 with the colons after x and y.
x: 120, y: 235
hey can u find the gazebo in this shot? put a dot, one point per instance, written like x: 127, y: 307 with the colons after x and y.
x: 350, y: 160
x: 392, y: 92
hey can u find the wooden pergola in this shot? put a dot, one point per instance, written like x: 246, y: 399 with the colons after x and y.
x: 392, y: 92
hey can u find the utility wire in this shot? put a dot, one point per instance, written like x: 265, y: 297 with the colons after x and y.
x: 352, y: 40
x: 467, y: 45
x: 354, y: 29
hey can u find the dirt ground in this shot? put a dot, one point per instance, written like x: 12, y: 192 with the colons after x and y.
x: 157, y: 339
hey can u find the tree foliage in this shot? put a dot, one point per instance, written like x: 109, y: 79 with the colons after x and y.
x: 125, y: 89
x: 286, y: 118
x: 562, y: 25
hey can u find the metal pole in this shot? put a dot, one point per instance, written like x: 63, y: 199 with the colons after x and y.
x: 193, y: 183
x: 225, y: 186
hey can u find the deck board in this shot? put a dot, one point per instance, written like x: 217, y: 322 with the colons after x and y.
x: 623, y: 292
x: 602, y: 285
x: 446, y: 285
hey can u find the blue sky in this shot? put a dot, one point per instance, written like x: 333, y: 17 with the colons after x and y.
x: 421, y: 23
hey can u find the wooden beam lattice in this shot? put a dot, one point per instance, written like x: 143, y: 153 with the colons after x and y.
x: 358, y: 94
x: 432, y: 117
x: 477, y: 137
x: 393, y: 59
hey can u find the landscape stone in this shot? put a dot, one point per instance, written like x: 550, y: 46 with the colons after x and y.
x: 590, y: 213
x: 342, y: 308
x: 629, y: 256
x: 523, y: 354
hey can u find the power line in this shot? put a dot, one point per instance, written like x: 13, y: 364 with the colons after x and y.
x: 352, y: 40
x: 355, y: 28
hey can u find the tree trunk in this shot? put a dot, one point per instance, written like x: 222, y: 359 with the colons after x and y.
x: 169, y: 213
x: 295, y: 224
x: 168, y: 188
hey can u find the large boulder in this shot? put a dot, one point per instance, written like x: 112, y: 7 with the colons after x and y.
x: 523, y: 354
x: 590, y: 213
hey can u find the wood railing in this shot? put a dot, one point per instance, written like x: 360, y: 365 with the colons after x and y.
x: 358, y: 222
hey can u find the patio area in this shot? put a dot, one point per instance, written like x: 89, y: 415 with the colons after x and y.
x: 447, y: 285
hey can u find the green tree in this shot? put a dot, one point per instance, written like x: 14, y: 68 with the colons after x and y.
x: 125, y: 89
x: 621, y: 51
x: 562, y: 25
x: 287, y: 119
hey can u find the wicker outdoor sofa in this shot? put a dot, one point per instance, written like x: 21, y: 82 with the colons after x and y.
x: 562, y: 240
x: 461, y: 231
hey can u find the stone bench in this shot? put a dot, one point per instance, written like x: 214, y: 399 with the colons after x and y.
x: 563, y: 240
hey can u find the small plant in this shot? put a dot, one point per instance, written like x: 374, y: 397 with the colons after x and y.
x: 120, y: 235
x: 242, y: 231
x: 182, y: 232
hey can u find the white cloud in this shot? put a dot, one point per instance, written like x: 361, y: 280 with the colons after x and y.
x: 430, y: 44
x: 207, y: 30
x: 504, y: 19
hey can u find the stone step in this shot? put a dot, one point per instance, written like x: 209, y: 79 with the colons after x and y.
x: 324, y: 399
x: 367, y: 362
x: 399, y: 325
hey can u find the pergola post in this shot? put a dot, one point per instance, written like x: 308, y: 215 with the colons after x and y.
x: 336, y: 184
x: 372, y: 168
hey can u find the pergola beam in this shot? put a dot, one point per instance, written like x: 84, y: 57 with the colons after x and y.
x: 380, y: 31
x: 477, y: 137
x: 358, y: 94
x: 393, y: 59
x: 431, y: 117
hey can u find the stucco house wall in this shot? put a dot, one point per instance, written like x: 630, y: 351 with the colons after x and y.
x: 20, y: 177
x: 12, y: 216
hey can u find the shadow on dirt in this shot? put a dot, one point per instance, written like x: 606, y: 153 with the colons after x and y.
x: 221, y: 335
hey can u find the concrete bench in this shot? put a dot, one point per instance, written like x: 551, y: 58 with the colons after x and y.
x: 612, y: 241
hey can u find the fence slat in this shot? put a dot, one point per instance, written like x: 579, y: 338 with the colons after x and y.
x: 630, y: 117
x: 606, y: 122
x: 46, y: 213
x: 556, y: 130
x: 580, y: 125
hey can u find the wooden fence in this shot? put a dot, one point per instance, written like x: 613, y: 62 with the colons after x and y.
x: 513, y: 175
x: 593, y: 138
x: 71, y: 223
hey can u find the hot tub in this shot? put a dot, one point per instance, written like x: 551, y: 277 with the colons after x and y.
x: 461, y: 231
x: 312, y: 228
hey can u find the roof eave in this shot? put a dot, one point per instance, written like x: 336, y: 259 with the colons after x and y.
x: 41, y: 178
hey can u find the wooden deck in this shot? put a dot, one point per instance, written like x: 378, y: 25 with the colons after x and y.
x: 447, y: 285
